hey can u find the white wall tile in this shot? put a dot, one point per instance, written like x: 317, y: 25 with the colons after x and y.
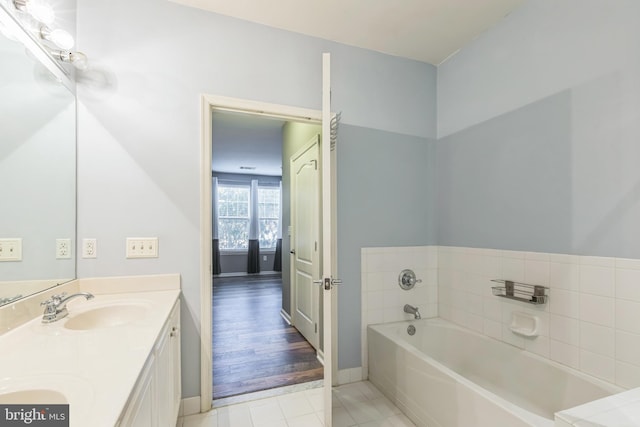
x: 375, y: 300
x: 475, y: 304
x: 490, y: 267
x: 627, y: 375
x: 564, y: 258
x: 536, y: 272
x: 565, y: 303
x: 591, y: 322
x: 597, y: 365
x: 510, y: 338
x: 475, y: 322
x: 597, y: 339
x: 492, y: 308
x: 626, y: 263
x: 564, y: 276
x: 598, y: 261
x: 513, y: 254
x: 628, y: 316
x: 537, y: 256
x: 513, y: 269
x: 628, y: 347
x: 564, y: 353
x: 564, y: 329
x: 597, y: 280
x: 597, y: 309
x: 628, y: 284
x: 538, y: 345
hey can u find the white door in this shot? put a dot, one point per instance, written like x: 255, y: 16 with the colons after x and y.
x: 305, y: 239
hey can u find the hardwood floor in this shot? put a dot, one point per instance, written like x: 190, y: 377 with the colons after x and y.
x: 253, y: 347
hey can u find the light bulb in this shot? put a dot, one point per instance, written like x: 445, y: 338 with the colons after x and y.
x: 79, y: 60
x: 60, y: 38
x: 41, y: 11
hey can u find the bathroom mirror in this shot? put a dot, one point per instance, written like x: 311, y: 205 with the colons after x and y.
x: 37, y: 174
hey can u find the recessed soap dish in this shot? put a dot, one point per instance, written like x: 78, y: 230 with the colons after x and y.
x: 524, y: 324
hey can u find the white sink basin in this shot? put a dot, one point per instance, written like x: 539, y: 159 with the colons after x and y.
x: 108, y: 316
x: 35, y: 397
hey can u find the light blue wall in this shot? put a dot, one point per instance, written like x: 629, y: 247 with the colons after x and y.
x: 386, y: 195
x: 139, y: 125
x: 539, y: 122
x: 506, y: 183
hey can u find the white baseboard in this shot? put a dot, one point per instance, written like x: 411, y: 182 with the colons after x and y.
x: 320, y: 356
x: 189, y: 406
x: 352, y: 375
x: 285, y: 316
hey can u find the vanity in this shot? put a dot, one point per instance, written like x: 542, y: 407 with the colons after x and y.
x: 115, y: 358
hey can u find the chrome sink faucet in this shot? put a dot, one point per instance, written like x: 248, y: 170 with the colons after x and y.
x: 412, y: 310
x: 56, y: 306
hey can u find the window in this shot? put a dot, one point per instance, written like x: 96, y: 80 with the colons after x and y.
x: 268, y: 216
x: 233, y: 217
x: 234, y: 214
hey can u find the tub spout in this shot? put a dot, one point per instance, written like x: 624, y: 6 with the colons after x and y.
x: 412, y: 310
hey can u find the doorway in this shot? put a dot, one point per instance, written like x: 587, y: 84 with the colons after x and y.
x: 295, y: 115
x: 254, y: 349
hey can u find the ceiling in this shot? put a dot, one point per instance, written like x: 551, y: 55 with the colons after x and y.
x: 245, y: 140
x: 425, y: 30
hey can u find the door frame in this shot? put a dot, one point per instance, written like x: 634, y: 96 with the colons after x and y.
x: 208, y: 104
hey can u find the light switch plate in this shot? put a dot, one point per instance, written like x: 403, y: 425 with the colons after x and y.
x: 10, y: 249
x: 142, y: 247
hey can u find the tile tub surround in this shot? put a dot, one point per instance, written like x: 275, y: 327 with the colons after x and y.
x: 591, y: 322
x: 382, y: 298
x: 97, y: 369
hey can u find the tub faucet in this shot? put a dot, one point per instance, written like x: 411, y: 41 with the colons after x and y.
x: 56, y: 306
x: 412, y: 310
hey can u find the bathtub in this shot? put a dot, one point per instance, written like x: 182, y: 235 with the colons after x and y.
x: 448, y: 376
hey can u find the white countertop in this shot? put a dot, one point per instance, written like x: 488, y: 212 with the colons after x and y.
x: 95, y: 369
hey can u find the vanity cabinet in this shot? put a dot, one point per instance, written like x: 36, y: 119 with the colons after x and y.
x: 155, y: 399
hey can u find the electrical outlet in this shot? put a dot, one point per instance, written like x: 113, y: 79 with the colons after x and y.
x: 89, y: 248
x: 142, y: 247
x: 10, y: 250
x: 63, y: 248
x: 264, y: 257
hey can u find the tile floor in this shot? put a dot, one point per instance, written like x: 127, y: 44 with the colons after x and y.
x: 358, y: 404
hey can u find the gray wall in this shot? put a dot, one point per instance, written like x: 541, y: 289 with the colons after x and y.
x: 506, y: 183
x: 539, y: 122
x: 386, y: 194
x: 139, y: 126
x: 237, y: 263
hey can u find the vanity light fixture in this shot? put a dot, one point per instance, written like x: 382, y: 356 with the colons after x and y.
x: 60, y: 38
x: 39, y: 9
x: 77, y: 59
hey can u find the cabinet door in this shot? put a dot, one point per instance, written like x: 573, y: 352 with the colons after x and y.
x: 176, y: 348
x: 141, y: 410
x: 167, y: 371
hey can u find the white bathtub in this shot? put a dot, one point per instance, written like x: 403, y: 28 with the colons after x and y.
x: 448, y: 376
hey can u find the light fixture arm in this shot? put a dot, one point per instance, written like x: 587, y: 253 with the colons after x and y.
x: 77, y: 59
